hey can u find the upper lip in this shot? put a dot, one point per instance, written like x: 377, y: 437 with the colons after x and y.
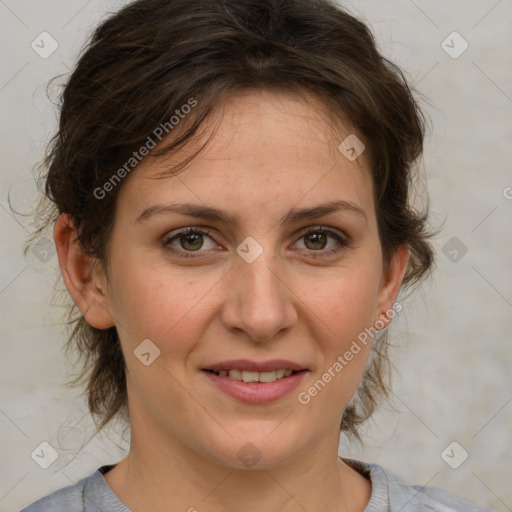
x: 254, y: 366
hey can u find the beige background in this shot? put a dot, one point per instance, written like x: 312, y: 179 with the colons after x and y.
x: 454, y: 356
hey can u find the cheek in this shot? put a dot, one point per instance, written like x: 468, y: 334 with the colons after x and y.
x: 346, y: 304
x: 344, y: 312
x: 344, y: 340
x: 157, y: 301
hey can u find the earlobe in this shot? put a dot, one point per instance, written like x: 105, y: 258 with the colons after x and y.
x: 85, y: 283
x: 392, y: 281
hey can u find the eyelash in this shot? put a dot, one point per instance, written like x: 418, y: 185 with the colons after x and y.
x: 343, y: 243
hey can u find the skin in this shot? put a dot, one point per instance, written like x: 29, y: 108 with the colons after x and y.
x: 272, y: 152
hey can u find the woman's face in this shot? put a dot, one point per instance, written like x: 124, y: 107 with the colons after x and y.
x: 256, y: 288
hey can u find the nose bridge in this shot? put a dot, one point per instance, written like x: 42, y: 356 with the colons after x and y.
x: 259, y: 302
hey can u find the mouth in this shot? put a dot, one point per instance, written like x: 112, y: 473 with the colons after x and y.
x: 253, y: 376
x: 255, y: 387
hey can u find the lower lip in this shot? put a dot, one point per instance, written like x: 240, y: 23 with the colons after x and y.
x: 257, y: 392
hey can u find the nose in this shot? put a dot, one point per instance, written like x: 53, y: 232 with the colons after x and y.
x: 260, y: 300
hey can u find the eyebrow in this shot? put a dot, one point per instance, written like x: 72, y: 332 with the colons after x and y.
x: 295, y: 215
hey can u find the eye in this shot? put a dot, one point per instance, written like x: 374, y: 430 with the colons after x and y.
x: 191, y: 240
x: 316, y: 240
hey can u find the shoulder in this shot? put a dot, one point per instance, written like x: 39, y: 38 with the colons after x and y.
x: 69, y: 499
x: 84, y: 496
x: 389, y: 493
x: 412, y: 497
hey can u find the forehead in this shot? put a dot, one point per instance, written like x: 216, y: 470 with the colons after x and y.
x: 266, y: 149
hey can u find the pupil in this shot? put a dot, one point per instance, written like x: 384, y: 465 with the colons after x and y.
x: 193, y: 236
x: 317, y: 239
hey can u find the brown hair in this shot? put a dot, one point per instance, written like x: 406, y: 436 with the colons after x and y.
x: 145, y: 62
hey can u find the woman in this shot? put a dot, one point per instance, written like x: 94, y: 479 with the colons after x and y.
x: 230, y: 190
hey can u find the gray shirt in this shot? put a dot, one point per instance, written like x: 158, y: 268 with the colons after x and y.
x: 92, y: 494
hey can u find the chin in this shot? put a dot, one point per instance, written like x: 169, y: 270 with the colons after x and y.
x: 256, y: 447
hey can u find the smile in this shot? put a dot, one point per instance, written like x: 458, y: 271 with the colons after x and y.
x: 255, y: 387
x: 251, y: 376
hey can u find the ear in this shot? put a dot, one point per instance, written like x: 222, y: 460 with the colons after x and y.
x: 391, y: 283
x: 82, y: 275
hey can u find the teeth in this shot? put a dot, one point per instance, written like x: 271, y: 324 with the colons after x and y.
x: 248, y: 376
